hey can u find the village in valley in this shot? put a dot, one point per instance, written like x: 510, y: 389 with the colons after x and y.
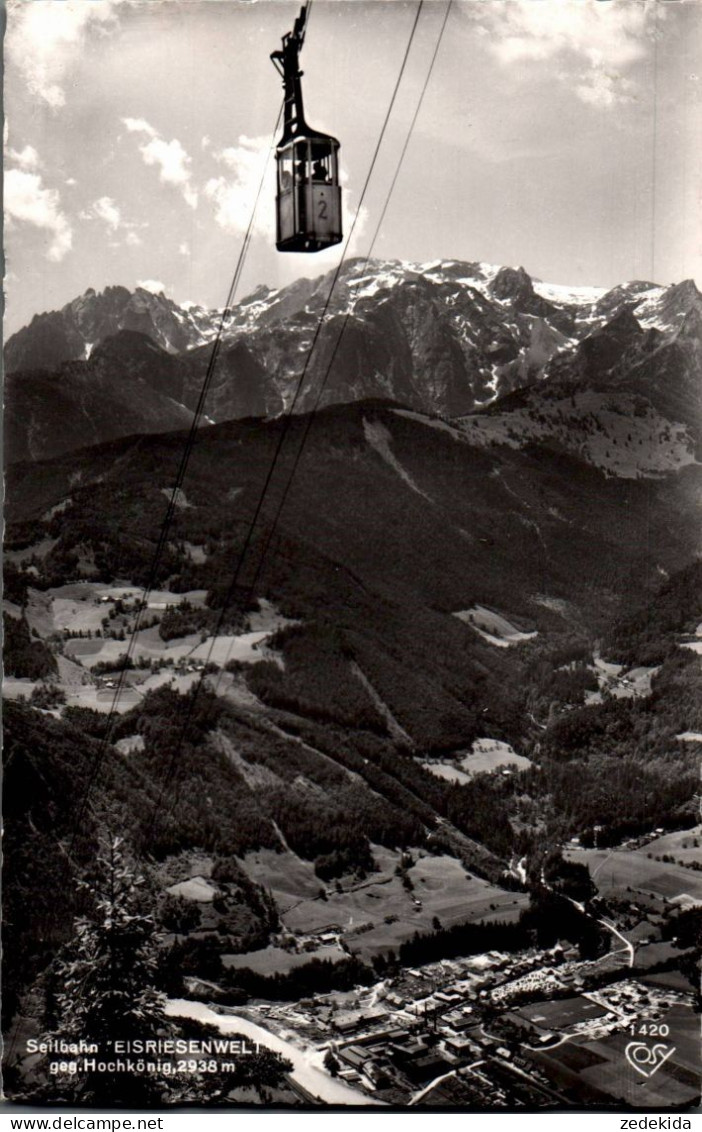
x: 523, y: 1027
x: 352, y: 596
x: 540, y: 1027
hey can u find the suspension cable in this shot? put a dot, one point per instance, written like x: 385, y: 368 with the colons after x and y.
x: 177, y: 487
x: 349, y: 313
x: 180, y: 476
x: 285, y: 428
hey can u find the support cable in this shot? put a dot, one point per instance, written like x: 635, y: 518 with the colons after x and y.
x: 349, y: 313
x: 284, y: 431
x: 175, y: 491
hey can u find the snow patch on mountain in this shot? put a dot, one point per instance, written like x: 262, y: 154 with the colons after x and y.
x: 444, y: 337
x: 569, y: 296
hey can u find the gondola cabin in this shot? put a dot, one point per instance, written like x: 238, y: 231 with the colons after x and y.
x: 308, y: 199
x: 309, y: 196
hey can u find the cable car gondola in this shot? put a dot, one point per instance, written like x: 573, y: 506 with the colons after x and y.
x: 308, y: 200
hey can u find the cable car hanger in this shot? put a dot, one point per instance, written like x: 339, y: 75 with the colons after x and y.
x: 308, y: 199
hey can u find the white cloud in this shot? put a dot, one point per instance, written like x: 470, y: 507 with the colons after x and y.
x: 153, y: 285
x: 598, y: 42
x: 234, y: 196
x: 170, y: 158
x: 27, y: 158
x: 44, y: 39
x: 173, y: 163
x: 105, y: 209
x: 108, y: 211
x: 27, y: 199
x: 139, y: 126
x: 602, y: 88
x: 184, y: 248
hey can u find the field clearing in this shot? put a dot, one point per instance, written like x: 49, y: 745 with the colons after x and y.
x: 684, y: 1029
x: 622, y: 868
x: 696, y: 646
x: 147, y: 644
x: 447, y: 771
x: 195, y: 888
x: 72, y: 676
x: 130, y: 744
x: 83, y: 605
x: 13, y: 687
x: 103, y: 699
x: 506, y: 913
x: 244, y: 648
x: 492, y: 754
x: 78, y: 616
x: 38, y: 613
x: 593, y: 698
x: 622, y: 684
x: 127, y: 698
x: 677, y: 1080
x: 267, y: 618
x: 289, y: 878
x: 123, y: 591
x: 680, y: 844
x: 635, y: 682
x: 441, y: 888
x: 485, y: 757
x: 177, y: 683
x: 493, y: 626
x: 276, y: 961
x: 37, y: 550
x: 91, y: 648
x: 196, y: 554
x: 666, y: 885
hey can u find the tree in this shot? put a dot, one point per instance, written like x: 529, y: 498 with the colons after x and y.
x: 179, y: 915
x: 102, y: 992
x: 104, y: 987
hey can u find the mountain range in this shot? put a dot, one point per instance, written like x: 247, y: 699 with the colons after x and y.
x: 499, y: 494
x: 449, y: 339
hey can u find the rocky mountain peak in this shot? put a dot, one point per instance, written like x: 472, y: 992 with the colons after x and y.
x: 126, y: 346
x: 604, y: 349
x: 512, y: 283
x: 445, y: 337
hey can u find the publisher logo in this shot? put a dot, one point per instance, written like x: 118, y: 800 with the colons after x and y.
x: 646, y: 1059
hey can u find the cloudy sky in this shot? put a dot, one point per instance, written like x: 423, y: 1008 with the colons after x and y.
x: 557, y: 134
